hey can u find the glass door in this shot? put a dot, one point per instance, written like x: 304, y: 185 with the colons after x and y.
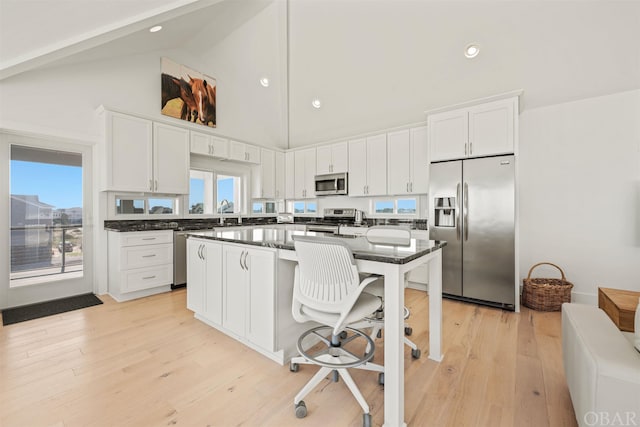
x: 49, y: 242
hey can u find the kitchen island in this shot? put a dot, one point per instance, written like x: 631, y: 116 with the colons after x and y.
x: 241, y: 282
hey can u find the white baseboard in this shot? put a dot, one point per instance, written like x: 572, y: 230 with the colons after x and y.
x: 583, y: 298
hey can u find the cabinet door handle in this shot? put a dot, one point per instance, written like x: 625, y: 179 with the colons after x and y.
x: 411, y: 187
x: 465, y: 148
x: 246, y: 266
x: 148, y: 238
x: 407, y: 187
x: 470, y: 147
x: 240, y: 260
x: 148, y: 256
x: 156, y: 188
x: 151, y: 185
x: 148, y: 277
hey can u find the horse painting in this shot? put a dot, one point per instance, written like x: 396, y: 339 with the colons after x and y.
x: 173, y: 88
x: 204, y: 96
x: 193, y: 100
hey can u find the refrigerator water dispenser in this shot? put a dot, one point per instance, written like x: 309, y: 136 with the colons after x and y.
x: 445, y: 212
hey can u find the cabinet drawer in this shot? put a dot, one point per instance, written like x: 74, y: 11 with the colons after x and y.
x: 145, y: 256
x: 138, y: 238
x: 145, y: 278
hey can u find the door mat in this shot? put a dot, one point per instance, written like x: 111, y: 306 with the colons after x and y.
x: 48, y: 308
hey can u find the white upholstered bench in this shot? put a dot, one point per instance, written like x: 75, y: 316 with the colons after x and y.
x: 601, y: 366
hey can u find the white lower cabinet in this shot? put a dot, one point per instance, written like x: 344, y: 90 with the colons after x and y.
x: 139, y: 263
x: 204, y: 279
x: 233, y: 288
x: 248, y: 277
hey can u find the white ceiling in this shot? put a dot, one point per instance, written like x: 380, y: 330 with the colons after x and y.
x: 408, y: 51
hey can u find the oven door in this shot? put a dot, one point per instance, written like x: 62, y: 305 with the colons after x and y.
x: 320, y: 228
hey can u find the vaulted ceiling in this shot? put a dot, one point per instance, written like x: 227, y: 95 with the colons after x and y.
x: 375, y: 63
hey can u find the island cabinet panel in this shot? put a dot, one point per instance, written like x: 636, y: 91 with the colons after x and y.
x: 261, y: 319
x: 235, y: 289
x: 204, y: 278
x: 232, y: 287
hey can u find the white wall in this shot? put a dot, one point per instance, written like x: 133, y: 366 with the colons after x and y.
x: 579, y: 169
x: 62, y: 100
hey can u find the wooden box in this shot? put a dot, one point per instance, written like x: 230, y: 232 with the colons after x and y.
x: 620, y: 305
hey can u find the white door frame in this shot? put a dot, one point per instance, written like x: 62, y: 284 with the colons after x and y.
x: 17, y: 296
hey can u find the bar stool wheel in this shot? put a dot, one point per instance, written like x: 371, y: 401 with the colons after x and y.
x: 300, y: 409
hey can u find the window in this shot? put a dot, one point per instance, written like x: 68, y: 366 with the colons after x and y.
x: 228, y: 190
x: 212, y: 193
x: 201, y: 192
x: 407, y: 206
x: 395, y: 206
x: 383, y: 206
x: 305, y: 207
x: 264, y: 208
x: 160, y: 206
x: 126, y: 205
x: 129, y: 206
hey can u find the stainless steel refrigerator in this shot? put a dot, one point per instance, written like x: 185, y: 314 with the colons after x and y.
x: 472, y: 206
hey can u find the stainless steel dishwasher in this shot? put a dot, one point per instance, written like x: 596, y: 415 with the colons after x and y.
x: 179, y: 259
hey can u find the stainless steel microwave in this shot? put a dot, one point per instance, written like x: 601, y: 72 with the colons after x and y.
x: 332, y: 184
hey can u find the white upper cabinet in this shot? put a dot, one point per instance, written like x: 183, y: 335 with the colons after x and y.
x: 264, y: 175
x: 244, y: 152
x: 290, y: 172
x: 142, y: 156
x: 209, y: 145
x: 128, y: 153
x: 407, y: 161
x: 332, y: 158
x: 368, y: 166
x: 280, y: 175
x: 305, y: 172
x: 492, y: 128
x: 419, y: 160
x: 170, y: 159
x: 479, y: 130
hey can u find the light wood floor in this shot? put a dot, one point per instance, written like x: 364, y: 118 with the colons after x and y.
x: 150, y: 363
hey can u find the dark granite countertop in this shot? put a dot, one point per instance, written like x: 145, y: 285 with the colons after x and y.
x: 209, y: 223
x: 360, y: 246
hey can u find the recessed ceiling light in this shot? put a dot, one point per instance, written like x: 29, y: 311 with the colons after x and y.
x: 316, y: 103
x: 472, y: 50
x: 155, y: 29
x: 264, y: 82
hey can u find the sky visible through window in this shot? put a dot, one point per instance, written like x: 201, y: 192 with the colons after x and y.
x: 56, y: 185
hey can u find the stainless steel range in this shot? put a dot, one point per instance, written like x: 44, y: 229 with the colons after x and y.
x: 333, y: 218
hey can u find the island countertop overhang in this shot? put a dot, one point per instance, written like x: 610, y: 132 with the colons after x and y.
x: 359, y: 245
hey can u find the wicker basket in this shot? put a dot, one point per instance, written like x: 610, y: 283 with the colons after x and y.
x: 546, y: 294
